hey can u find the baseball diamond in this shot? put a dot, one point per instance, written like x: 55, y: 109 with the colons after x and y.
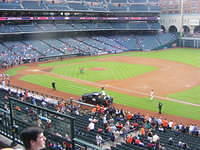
x: 129, y: 86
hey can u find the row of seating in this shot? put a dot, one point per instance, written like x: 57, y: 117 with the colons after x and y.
x: 86, y: 26
x: 82, y: 121
x: 58, y: 126
x: 82, y: 5
x: 16, y: 51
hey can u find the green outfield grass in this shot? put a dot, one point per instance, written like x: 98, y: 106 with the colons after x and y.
x: 143, y: 103
x: 112, y: 72
x: 13, y: 71
x: 182, y: 55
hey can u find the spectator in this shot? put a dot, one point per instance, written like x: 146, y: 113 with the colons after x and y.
x: 170, y: 125
x: 139, y: 142
x: 129, y: 139
x: 33, y: 138
x: 170, y: 141
x: 156, y: 138
x: 91, y: 126
x: 99, y: 140
x: 150, y: 136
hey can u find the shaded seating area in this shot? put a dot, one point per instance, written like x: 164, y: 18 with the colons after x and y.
x: 14, y: 52
x: 29, y: 4
x: 77, y: 6
x: 10, y: 5
x: 83, y: 5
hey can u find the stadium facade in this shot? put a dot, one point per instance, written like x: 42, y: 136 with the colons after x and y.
x: 178, y: 13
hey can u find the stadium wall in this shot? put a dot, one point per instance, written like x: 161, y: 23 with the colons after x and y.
x: 189, y: 42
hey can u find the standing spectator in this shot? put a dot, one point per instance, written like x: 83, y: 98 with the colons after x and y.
x: 33, y: 138
x: 99, y: 140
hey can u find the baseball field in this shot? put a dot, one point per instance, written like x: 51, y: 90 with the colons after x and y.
x: 174, y: 74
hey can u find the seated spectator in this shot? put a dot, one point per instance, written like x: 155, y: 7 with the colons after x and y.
x: 33, y: 138
x: 170, y: 124
x: 191, y: 129
x: 161, y: 129
x: 147, y: 125
x: 155, y: 138
x: 112, y: 137
x: 130, y: 139
x: 91, y: 126
x: 93, y: 119
x: 142, y: 131
x: 129, y: 116
x: 119, y: 118
x: 150, y: 136
x: 165, y: 123
x: 185, y: 146
x: 151, y: 146
x: 119, y: 125
x: 138, y: 142
x: 180, y: 144
x: 170, y: 141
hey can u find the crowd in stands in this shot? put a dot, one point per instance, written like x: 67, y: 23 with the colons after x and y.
x: 18, y: 52
x: 102, y: 124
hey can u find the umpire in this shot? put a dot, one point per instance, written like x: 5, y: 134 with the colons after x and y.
x: 160, y: 107
x: 53, y: 84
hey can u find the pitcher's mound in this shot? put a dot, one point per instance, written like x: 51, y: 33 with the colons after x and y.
x: 98, y: 69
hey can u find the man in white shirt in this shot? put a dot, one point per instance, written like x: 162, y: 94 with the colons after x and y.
x: 99, y: 139
x: 155, y: 138
x: 3, y: 82
x: 170, y: 124
x: 91, y: 126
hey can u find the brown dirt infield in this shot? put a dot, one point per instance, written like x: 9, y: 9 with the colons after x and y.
x: 98, y: 69
x: 170, y: 77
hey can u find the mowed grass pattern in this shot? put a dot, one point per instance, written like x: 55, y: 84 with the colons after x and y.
x: 98, y: 71
x: 187, y: 56
x: 182, y: 55
x: 119, y: 98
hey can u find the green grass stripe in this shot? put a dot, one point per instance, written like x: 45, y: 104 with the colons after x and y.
x: 143, y: 103
x: 111, y: 70
x: 192, y: 95
x: 183, y: 55
x: 13, y: 71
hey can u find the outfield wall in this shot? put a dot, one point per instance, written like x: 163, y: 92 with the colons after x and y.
x: 189, y: 42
